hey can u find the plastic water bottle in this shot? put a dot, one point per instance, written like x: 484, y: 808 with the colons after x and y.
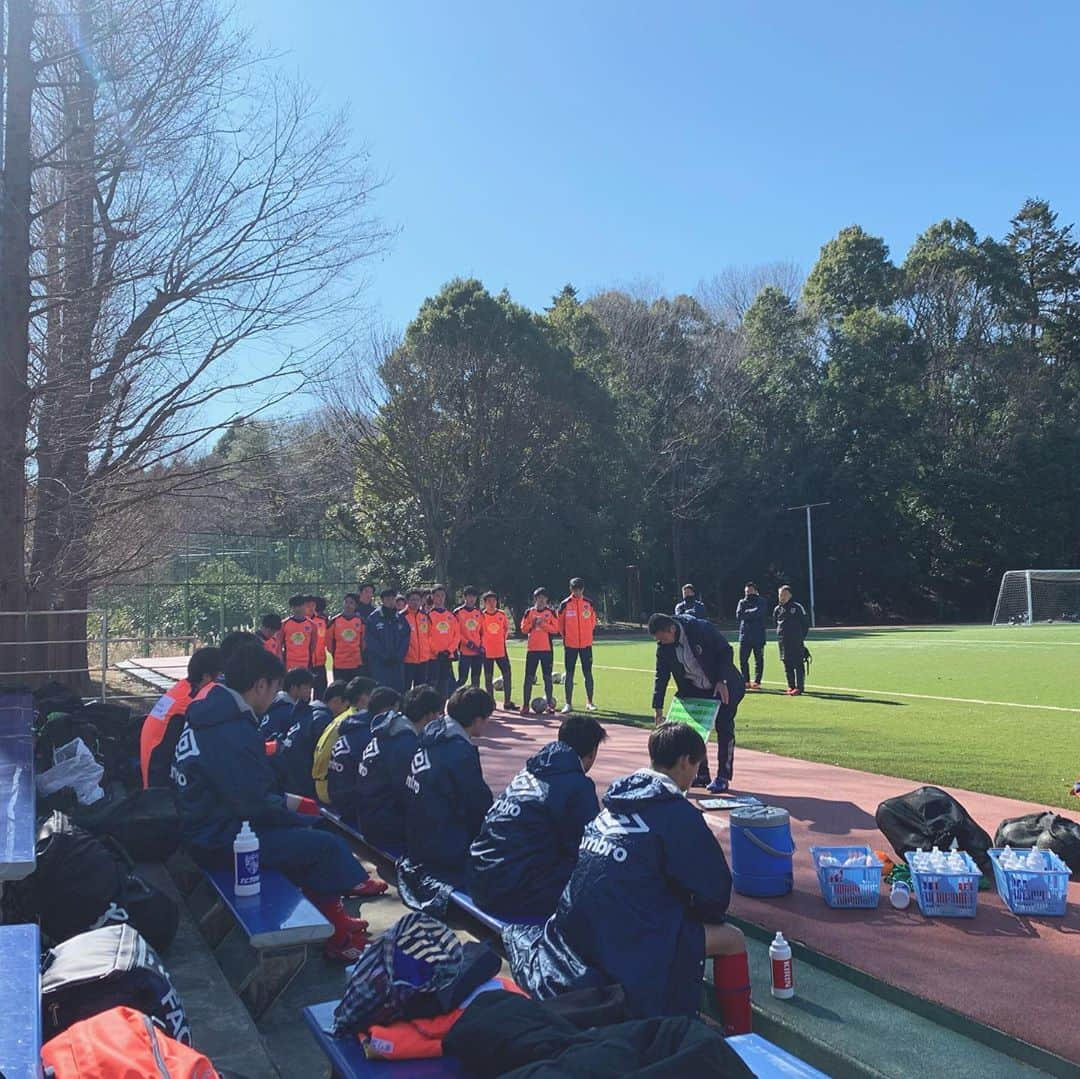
x: 783, y: 972
x: 246, y: 861
x: 900, y: 895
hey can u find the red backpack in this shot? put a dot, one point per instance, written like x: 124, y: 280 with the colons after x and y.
x: 122, y: 1044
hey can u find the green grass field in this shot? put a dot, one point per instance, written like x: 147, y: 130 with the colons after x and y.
x: 993, y: 709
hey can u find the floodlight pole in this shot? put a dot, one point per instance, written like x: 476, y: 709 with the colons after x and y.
x: 810, y: 550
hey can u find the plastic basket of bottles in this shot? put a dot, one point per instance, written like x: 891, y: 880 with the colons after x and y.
x: 1030, y: 880
x: 849, y: 877
x: 945, y: 883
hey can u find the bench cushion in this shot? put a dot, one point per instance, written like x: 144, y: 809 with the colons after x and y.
x: 20, y: 1025
x: 278, y: 917
x: 768, y: 1061
x: 18, y: 830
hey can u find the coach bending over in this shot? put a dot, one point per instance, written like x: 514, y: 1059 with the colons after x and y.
x: 697, y: 655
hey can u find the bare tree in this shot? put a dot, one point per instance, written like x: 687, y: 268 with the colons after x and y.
x: 197, y: 228
x: 15, y: 181
x: 727, y: 296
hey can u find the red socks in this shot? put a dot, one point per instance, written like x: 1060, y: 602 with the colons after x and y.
x: 333, y: 910
x: 731, y: 978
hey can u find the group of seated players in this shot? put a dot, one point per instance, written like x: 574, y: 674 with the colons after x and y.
x: 631, y: 891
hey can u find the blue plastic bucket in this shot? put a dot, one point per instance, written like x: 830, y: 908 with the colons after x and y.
x: 761, y: 850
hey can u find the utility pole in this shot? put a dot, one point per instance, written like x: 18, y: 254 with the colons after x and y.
x: 810, y: 549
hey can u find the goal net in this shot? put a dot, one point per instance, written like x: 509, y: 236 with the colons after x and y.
x: 1038, y: 595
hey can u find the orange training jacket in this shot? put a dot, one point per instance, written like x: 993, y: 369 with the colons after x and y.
x: 321, y: 627
x: 494, y: 629
x: 156, y: 724
x: 445, y: 631
x: 298, y: 643
x: 419, y: 636
x: 345, y: 641
x: 469, y: 639
x: 539, y: 626
x: 577, y: 619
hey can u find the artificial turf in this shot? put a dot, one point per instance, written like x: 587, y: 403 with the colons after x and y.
x: 854, y: 712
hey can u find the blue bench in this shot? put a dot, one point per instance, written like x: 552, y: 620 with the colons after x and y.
x: 279, y: 924
x: 336, y: 819
x: 465, y: 902
x: 459, y: 898
x: 347, y: 1059
x: 768, y: 1061
x: 18, y: 829
x: 20, y: 1029
x: 346, y: 1056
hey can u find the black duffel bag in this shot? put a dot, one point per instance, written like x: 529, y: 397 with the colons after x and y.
x: 82, y: 882
x: 145, y: 823
x: 929, y: 817
x: 1049, y: 830
x: 104, y: 969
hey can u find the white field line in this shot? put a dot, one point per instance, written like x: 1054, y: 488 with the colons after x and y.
x: 894, y: 642
x: 890, y: 693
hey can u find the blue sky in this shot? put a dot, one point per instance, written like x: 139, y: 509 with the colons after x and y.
x: 531, y: 144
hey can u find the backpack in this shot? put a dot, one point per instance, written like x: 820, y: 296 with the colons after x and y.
x: 104, y: 969
x: 122, y: 1042
x: 929, y: 817
x: 79, y: 883
x: 145, y: 823
x: 1048, y: 830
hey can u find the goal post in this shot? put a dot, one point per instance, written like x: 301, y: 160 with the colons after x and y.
x: 1038, y: 595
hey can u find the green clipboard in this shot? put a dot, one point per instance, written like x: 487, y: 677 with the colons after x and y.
x: 697, y: 712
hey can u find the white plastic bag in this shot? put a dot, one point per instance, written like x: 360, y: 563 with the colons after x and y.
x: 76, y: 767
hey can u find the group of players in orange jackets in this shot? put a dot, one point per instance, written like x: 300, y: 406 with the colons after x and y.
x: 473, y: 633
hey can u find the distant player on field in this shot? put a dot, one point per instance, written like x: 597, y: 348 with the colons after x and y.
x: 470, y: 640
x: 494, y: 629
x: 792, y: 626
x: 750, y: 614
x: 690, y: 603
x: 577, y: 620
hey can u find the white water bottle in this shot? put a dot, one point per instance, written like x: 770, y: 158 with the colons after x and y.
x: 783, y: 972
x: 246, y: 861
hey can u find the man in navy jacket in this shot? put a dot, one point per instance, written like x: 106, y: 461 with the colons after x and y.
x: 449, y: 796
x: 353, y: 735
x: 750, y: 614
x: 690, y: 603
x: 222, y: 777
x: 386, y: 640
x: 526, y: 850
x: 646, y: 902
x: 381, y: 795
x: 697, y: 655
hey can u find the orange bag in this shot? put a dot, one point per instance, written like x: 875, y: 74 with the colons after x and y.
x: 122, y: 1044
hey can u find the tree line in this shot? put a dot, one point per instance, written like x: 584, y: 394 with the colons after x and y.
x: 932, y: 402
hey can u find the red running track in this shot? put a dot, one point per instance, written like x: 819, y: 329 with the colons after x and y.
x: 1015, y: 973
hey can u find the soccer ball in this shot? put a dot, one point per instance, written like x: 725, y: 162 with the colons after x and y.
x: 539, y: 705
x: 498, y: 683
x: 558, y: 678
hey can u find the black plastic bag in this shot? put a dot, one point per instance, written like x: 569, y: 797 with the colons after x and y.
x: 82, y: 882
x: 145, y: 823
x: 929, y: 817
x: 1049, y: 831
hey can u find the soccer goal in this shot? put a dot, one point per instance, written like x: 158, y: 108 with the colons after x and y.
x: 1038, y: 595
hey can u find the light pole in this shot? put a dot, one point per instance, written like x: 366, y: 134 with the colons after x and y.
x: 810, y: 549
